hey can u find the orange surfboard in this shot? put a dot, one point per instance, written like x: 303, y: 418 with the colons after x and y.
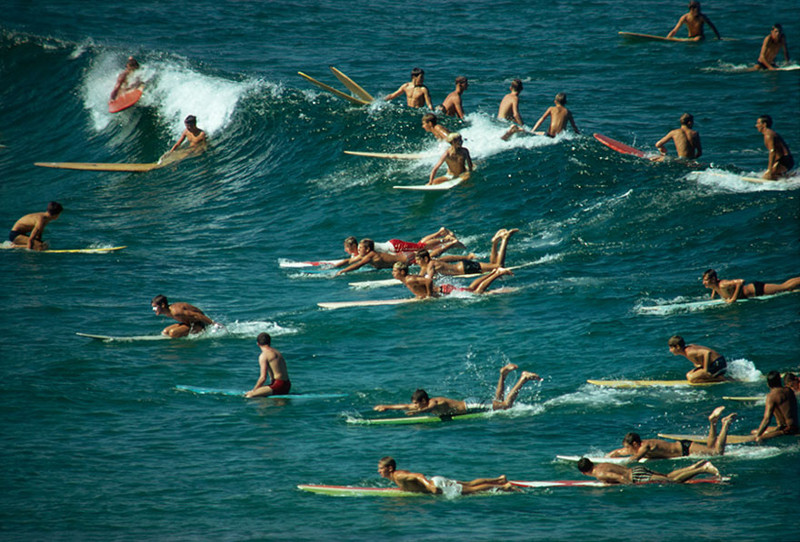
x: 124, y: 101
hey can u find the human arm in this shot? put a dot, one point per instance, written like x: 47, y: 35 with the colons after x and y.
x: 361, y: 262
x: 396, y: 93
x: 714, y: 28
x: 468, y: 159
x: 769, y: 408
x: 427, y: 95
x: 619, y: 452
x: 403, y: 479
x: 180, y: 140
x: 572, y: 122
x: 762, y: 58
x: 262, y: 375
x: 515, y: 112
x: 36, y: 233
x: 663, y: 141
x: 698, y: 148
x: 736, y: 290
x: 383, y: 408
x: 677, y: 26
x: 436, y: 167
x: 541, y: 119
x: 459, y: 109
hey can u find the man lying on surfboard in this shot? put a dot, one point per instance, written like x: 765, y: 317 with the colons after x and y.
x: 436, y: 485
x: 686, y: 140
x: 639, y: 474
x: 122, y: 84
x: 27, y: 231
x: 466, y: 265
x: 694, y: 21
x: 368, y: 255
x: 443, y: 406
x: 636, y: 448
x: 780, y: 157
x: 272, y: 364
x: 709, y: 365
x: 430, y: 123
x: 459, y: 162
x: 437, y: 242
x: 423, y: 287
x: 191, y: 319
x: 732, y: 289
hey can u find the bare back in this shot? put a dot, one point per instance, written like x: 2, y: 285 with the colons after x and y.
x: 509, y: 108
x: 274, y: 363
x: 783, y: 403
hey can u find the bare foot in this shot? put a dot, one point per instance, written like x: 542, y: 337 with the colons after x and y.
x: 503, y: 271
x: 508, y: 368
x: 509, y: 233
x: 715, y: 414
x: 499, y: 234
x: 711, y: 469
x: 502, y: 479
x: 527, y: 375
x: 728, y: 419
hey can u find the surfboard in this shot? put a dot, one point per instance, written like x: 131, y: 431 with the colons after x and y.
x: 638, y: 36
x: 391, y: 155
x: 414, y: 420
x: 446, y: 185
x: 368, y: 303
x: 240, y: 393
x: 619, y: 146
x: 597, y: 459
x: 124, y: 100
x: 103, y: 250
x: 757, y: 180
x: 131, y: 338
x: 393, y: 282
x: 352, y: 86
x: 290, y: 264
x: 167, y: 159
x: 648, y: 383
x: 702, y: 439
x: 704, y: 304
x: 357, y: 491
x: 755, y: 399
x: 597, y: 483
x: 336, y: 92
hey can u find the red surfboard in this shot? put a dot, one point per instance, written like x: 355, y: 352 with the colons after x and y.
x: 618, y: 146
x: 124, y: 101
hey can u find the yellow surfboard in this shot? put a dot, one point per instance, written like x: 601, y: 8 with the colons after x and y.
x: 167, y: 159
x: 103, y: 250
x: 352, y: 86
x: 335, y: 92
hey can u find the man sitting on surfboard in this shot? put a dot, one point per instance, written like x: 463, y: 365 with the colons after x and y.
x: 452, y: 104
x: 780, y: 157
x: 686, y: 140
x: 636, y: 448
x: 416, y: 92
x: 272, y: 364
x: 639, y: 474
x: 781, y: 402
x: 430, y: 123
x: 443, y: 406
x: 559, y: 115
x: 196, y: 136
x: 509, y: 109
x: 437, y: 485
x: 772, y: 45
x: 792, y: 382
x: 694, y: 21
x: 27, y: 231
x: 733, y: 289
x: 192, y: 320
x: 122, y: 84
x: 709, y: 365
x: 459, y: 162
x: 466, y: 265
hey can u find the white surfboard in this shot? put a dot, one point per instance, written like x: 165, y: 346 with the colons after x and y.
x: 104, y: 250
x: 757, y: 180
x: 368, y: 303
x: 391, y: 155
x: 668, y: 308
x: 291, y: 264
x: 381, y: 283
x: 131, y: 338
x: 597, y: 459
x: 447, y: 185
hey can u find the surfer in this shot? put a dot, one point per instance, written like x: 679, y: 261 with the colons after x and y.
x: 368, y: 255
x: 271, y: 364
x: 694, y: 21
x: 638, y: 474
x: 423, y: 287
x: 509, y: 109
x: 122, y: 79
x: 559, y: 115
x: 192, y: 320
x: 27, y: 231
x: 443, y: 406
x: 459, y: 162
x: 430, y: 123
x: 781, y: 403
x: 437, y: 242
x: 709, y: 365
x: 774, y: 43
x: 452, y: 106
x: 417, y: 94
x: 437, y: 485
x: 733, y: 289
x: 780, y: 157
x: 636, y: 448
x: 467, y: 265
x: 195, y: 135
x: 686, y: 140
x: 792, y: 382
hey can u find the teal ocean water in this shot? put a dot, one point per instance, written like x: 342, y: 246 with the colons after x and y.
x: 97, y: 444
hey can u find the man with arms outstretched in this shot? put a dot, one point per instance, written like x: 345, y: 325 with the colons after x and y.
x: 732, y: 289
x: 694, y: 21
x: 416, y: 92
x: 419, y: 483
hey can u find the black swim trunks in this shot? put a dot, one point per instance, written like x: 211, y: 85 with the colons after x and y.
x: 764, y: 66
x: 471, y: 267
x: 718, y: 366
x: 786, y: 161
x: 758, y: 286
x: 640, y: 474
x: 685, y: 445
x: 13, y: 234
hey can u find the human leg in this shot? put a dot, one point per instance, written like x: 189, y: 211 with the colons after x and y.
x: 687, y: 473
x: 480, y: 284
x: 176, y: 331
x: 501, y: 254
x: 501, y: 382
x: 712, y: 422
x: 787, y: 286
x: 719, y: 447
x: 500, y: 404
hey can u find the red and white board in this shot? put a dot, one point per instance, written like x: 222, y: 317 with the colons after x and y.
x: 124, y: 100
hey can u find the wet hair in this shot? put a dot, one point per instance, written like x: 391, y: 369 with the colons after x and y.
x: 632, y: 438
x: 778, y: 27
x: 710, y: 274
x: 369, y: 244
x: 133, y: 63
x: 264, y: 339
x: 160, y: 301
x: 766, y: 119
x: 422, y: 253
x: 585, y: 464
x: 351, y: 241
x: 401, y: 266
x: 388, y: 462
x: 694, y: 4
x: 790, y: 379
x: 676, y: 340
x: 516, y: 84
x: 774, y: 379
x: 54, y: 208
x: 561, y: 98
x: 417, y: 71
x: 430, y: 117
x: 686, y: 118
x: 420, y: 396
x: 191, y: 119
x: 461, y: 80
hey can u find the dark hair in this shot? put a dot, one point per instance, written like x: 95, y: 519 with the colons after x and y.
x: 632, y: 438
x: 516, y: 84
x: 264, y: 339
x: 774, y: 379
x: 790, y: 378
x: 388, y: 461
x: 694, y: 4
x: 420, y: 396
x: 779, y: 26
x: 676, y: 340
x: 160, y: 301
x: 430, y: 117
x: 766, y: 119
x: 585, y: 464
x: 460, y: 80
x: 417, y: 71
x: 422, y: 253
x: 368, y: 243
x: 710, y: 274
x: 191, y: 119
x: 686, y: 118
x: 561, y: 98
x: 351, y: 241
x: 133, y: 63
x: 54, y: 208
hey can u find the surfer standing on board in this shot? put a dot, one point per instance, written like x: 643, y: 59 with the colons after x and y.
x: 782, y: 403
x: 772, y: 45
x: 192, y: 320
x: 710, y: 365
x: 459, y: 162
x: 431, y: 124
x: 686, y: 140
x: 271, y: 364
x: 452, y: 104
x: 417, y: 94
x: 733, y: 289
x: 195, y: 135
x: 780, y: 157
x: 694, y: 21
x: 638, y: 474
x: 418, y: 483
x: 122, y: 84
x: 636, y: 448
x: 559, y: 115
x: 27, y: 231
x: 467, y: 265
x: 509, y: 109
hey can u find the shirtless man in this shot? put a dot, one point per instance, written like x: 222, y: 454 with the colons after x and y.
x: 122, y: 84
x: 423, y: 287
x: 733, y: 289
x: 686, y: 140
x: 782, y: 403
x: 792, y: 382
x: 636, y: 448
x: 467, y: 265
x: 192, y: 320
x: 638, y: 474
x: 694, y: 21
x: 780, y: 157
x: 415, y: 90
x: 195, y: 135
x: 459, y: 162
x: 443, y: 406
x: 418, y: 483
x: 452, y: 104
x: 431, y: 124
x: 559, y: 115
x: 436, y: 242
x: 271, y: 364
x: 774, y: 43
x: 709, y: 365
x: 509, y: 109
x: 27, y: 231
x: 368, y: 255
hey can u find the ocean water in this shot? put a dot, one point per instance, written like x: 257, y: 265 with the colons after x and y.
x: 97, y: 444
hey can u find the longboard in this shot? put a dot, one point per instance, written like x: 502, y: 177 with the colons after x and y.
x: 596, y: 459
x: 352, y: 86
x: 391, y: 155
x: 732, y: 439
x: 290, y: 264
x: 755, y: 399
x: 240, y: 393
x: 125, y: 100
x: 393, y: 282
x: 619, y: 146
x: 589, y: 483
x: 166, y: 160
x: 648, y: 383
x: 704, y: 304
x: 446, y: 185
x: 413, y: 420
x: 356, y: 491
x: 132, y: 338
x: 638, y: 36
x: 756, y: 180
x: 336, y: 92
x: 368, y: 303
x: 73, y: 250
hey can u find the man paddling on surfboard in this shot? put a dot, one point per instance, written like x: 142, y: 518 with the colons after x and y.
x: 368, y: 255
x: 191, y: 319
x: 638, y: 474
x: 437, y: 242
x: 417, y: 94
x: 122, y: 84
x: 686, y: 140
x: 780, y: 157
x: 437, y: 485
x: 459, y: 162
x: 732, y: 289
x: 774, y: 43
x: 272, y: 364
x: 559, y: 115
x: 466, y: 265
x: 423, y: 287
x: 781, y: 402
x: 27, y: 231
x: 430, y: 123
x: 709, y: 365
x: 694, y: 21
x: 452, y: 104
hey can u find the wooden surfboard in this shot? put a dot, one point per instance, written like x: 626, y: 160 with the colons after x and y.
x: 391, y: 155
x: 638, y: 36
x: 702, y: 439
x: 352, y: 86
x: 166, y: 160
x: 619, y: 146
x: 124, y: 101
x: 73, y: 250
x: 333, y: 91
